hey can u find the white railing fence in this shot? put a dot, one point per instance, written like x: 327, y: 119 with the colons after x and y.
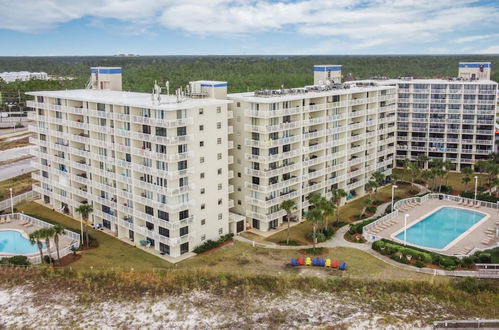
x: 371, y: 237
x: 26, y: 196
x: 35, y: 259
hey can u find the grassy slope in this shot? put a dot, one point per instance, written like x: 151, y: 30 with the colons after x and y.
x: 19, y: 184
x: 238, y: 258
x: 454, y: 179
x: 347, y: 212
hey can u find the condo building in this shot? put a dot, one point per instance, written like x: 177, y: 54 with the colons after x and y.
x: 291, y: 143
x: 447, y: 119
x: 168, y: 172
x: 155, y: 167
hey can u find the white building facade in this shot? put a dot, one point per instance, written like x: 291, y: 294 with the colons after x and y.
x: 291, y: 143
x: 155, y: 171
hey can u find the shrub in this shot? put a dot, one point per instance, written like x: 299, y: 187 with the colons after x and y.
x: 15, y: 261
x: 419, y: 181
x: 291, y: 243
x: 317, y: 251
x: 481, y: 197
x: 210, y: 244
x: 356, y: 228
x: 484, y: 258
x: 393, y: 250
x: 371, y: 209
x: 419, y: 264
x: 446, y: 189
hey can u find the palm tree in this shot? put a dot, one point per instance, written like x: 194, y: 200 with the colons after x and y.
x: 85, y: 210
x: 36, y: 238
x: 336, y: 196
x: 323, y: 205
x: 447, y: 165
x: 422, y: 159
x: 315, y: 217
x: 395, y: 177
x: 378, y: 178
x: 58, y: 230
x: 467, y: 172
x: 289, y: 206
x: 414, y: 172
x: 370, y: 185
x: 47, y: 233
x: 427, y: 175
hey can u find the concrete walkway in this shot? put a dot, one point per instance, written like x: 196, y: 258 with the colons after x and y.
x: 338, y: 240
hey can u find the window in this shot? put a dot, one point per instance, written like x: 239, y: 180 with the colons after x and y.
x: 238, y: 174
x: 163, y: 215
x: 219, y: 156
x: 219, y: 125
x: 238, y: 202
x: 181, y: 131
x: 220, y: 231
x: 202, y: 191
x: 202, y: 206
x: 165, y: 249
x: 183, y: 214
x: 219, y: 109
x: 164, y: 232
x: 238, y: 104
x: 201, y: 111
x: 201, y: 175
x: 219, y: 141
x: 219, y: 201
x: 203, y: 222
x: 201, y: 143
x: 184, y: 231
x: 161, y: 131
x: 201, y: 127
x: 149, y: 210
x: 184, y: 248
x: 220, y: 216
x: 182, y: 165
x: 182, y: 148
x: 238, y: 147
x: 219, y: 171
x: 201, y: 160
x: 219, y: 186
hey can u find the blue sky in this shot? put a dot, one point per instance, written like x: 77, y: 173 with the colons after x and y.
x: 204, y: 27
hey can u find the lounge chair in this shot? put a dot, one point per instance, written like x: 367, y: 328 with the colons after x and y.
x: 460, y: 201
x: 335, y: 263
x: 301, y: 262
x: 308, y: 261
x: 2, y: 221
x: 343, y: 266
x: 328, y: 262
x: 477, y: 205
x: 7, y: 220
x: 26, y: 223
x: 29, y: 224
x: 294, y: 262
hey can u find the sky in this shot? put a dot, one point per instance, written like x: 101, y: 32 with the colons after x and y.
x: 247, y: 27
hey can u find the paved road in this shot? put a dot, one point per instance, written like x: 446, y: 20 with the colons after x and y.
x: 14, y: 153
x: 15, y: 169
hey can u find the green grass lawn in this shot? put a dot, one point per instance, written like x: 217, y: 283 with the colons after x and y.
x: 238, y: 257
x: 111, y: 251
x: 454, y: 180
x: 348, y: 211
x: 19, y: 184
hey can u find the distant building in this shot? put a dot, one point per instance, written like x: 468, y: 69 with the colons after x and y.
x: 23, y: 76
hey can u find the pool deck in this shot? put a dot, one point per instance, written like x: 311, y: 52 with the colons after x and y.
x: 482, y: 236
x: 16, y: 225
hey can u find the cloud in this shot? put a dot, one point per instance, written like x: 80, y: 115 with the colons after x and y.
x: 477, y: 38
x: 490, y: 50
x: 357, y: 23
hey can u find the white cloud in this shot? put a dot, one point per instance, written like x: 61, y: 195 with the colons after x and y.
x: 490, y: 50
x: 477, y: 38
x: 363, y: 23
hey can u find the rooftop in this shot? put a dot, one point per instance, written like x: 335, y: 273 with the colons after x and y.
x: 291, y: 94
x: 133, y: 99
x: 455, y: 80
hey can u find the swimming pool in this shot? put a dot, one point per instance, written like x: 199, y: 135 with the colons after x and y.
x: 13, y: 242
x: 441, y: 228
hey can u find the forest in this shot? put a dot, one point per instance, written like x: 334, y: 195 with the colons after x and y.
x: 243, y: 73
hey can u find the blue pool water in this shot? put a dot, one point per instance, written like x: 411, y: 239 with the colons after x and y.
x: 441, y: 227
x: 12, y: 241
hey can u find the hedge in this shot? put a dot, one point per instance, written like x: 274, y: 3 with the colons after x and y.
x: 356, y: 228
x: 482, y: 197
x: 210, y: 244
x: 15, y: 261
x: 399, y: 253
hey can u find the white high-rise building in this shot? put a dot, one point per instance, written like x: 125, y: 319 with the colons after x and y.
x: 447, y: 119
x: 155, y: 167
x: 290, y: 143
